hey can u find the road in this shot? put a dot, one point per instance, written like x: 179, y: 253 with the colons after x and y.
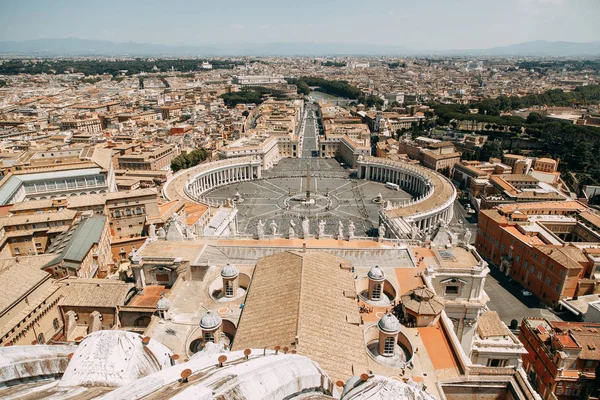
x: 460, y: 220
x: 309, y: 134
x: 507, y: 299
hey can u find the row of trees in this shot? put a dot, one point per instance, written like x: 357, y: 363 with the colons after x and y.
x: 336, y: 88
x: 188, y: 160
x: 250, y: 94
x: 575, y: 145
x: 99, y: 67
x: 582, y: 95
x: 559, y: 65
x: 333, y: 64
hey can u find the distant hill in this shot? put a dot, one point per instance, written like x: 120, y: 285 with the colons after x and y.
x: 85, y: 47
x: 539, y: 48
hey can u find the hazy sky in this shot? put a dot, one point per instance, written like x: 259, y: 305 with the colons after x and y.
x: 431, y: 24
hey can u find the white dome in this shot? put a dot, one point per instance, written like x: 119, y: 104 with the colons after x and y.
x: 211, y: 320
x: 376, y: 274
x: 389, y: 324
x: 163, y: 304
x: 229, y: 271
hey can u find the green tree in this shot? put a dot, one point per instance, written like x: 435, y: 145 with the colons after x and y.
x: 184, y: 161
x: 534, y: 118
x: 491, y: 149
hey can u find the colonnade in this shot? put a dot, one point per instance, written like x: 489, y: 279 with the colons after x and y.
x: 427, y: 187
x: 407, y: 180
x: 221, y: 176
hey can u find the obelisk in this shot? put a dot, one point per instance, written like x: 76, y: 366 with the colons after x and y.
x: 307, y: 181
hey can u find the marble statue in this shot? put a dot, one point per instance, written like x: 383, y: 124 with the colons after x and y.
x: 260, y: 229
x: 161, y: 233
x: 468, y: 237
x: 189, y: 233
x: 351, y: 229
x: 152, y: 232
x: 414, y: 232
x: 232, y: 227
x: 176, y: 229
x: 273, y: 226
x: 135, y: 255
x: 322, y: 224
x: 305, y: 228
x: 291, y: 231
x: 381, y: 230
x: 340, y: 230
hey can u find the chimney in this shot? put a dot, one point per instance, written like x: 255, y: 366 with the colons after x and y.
x: 304, y: 247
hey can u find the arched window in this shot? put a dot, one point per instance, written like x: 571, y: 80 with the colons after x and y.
x: 128, y: 212
x: 117, y: 214
x: 388, y: 346
x: 138, y: 210
x: 40, y: 338
x: 56, y: 324
x: 142, y: 321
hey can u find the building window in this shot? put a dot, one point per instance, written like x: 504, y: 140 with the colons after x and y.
x: 451, y: 290
x: 17, y: 251
x: 228, y: 288
x: 496, y: 363
x: 56, y: 324
x: 376, y: 295
x: 388, y: 346
x: 548, y: 280
x: 40, y: 338
x: 539, y: 275
x: 209, y: 337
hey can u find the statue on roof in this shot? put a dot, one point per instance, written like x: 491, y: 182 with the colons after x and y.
x: 152, y: 232
x: 291, y: 231
x: 414, y: 231
x: 340, y: 230
x: 467, y: 238
x: 381, y: 230
x: 273, y: 226
x: 260, y: 229
x: 322, y: 224
x: 351, y: 229
x: 305, y: 227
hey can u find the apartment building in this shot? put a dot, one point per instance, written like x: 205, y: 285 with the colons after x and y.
x: 158, y: 158
x: 31, y: 234
x: 89, y: 125
x: 543, y: 246
x: 562, y: 357
x: 29, y: 302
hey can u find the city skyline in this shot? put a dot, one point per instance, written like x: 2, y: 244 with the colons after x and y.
x: 432, y: 25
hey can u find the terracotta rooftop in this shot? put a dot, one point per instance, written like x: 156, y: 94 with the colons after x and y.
x: 490, y: 325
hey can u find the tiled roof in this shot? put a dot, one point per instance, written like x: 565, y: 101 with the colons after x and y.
x: 95, y: 292
x: 306, y: 300
x: 18, y: 276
